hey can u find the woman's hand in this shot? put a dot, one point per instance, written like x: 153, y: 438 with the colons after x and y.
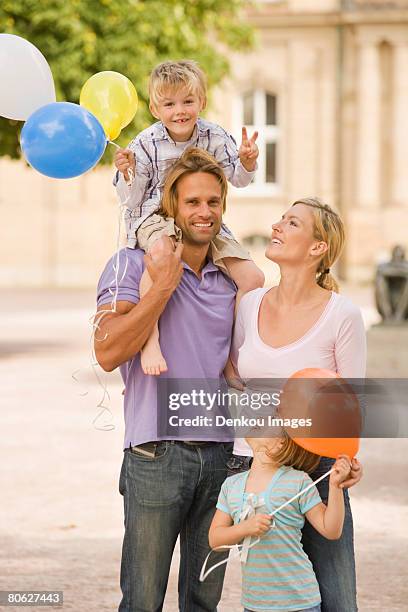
x: 356, y: 474
x: 232, y: 377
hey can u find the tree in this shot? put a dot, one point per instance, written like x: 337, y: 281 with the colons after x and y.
x: 81, y: 37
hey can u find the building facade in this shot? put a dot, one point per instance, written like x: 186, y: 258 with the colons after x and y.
x: 327, y: 89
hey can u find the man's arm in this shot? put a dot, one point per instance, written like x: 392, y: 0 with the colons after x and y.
x: 122, y: 334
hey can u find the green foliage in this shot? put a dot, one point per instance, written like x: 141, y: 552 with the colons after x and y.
x: 81, y: 37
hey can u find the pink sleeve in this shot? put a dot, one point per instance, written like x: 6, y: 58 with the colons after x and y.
x: 350, y: 348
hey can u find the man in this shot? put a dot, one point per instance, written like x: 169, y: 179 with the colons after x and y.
x: 170, y: 487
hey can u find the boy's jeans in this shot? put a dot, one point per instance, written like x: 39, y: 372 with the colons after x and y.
x: 172, y: 494
x: 333, y: 560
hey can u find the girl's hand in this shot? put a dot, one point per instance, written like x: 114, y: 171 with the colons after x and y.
x: 125, y: 161
x: 356, y: 474
x: 248, y: 151
x: 342, y: 469
x: 258, y: 524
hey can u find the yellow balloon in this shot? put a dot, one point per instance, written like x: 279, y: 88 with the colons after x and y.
x: 111, y: 123
x: 112, y: 98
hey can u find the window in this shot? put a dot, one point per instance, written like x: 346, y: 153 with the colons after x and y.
x: 258, y: 110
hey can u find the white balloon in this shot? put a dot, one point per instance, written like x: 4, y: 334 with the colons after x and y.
x: 26, y: 81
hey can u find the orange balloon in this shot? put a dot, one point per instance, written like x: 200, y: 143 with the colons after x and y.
x: 329, y: 403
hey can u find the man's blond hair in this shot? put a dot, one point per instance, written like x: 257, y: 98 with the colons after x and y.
x: 173, y: 75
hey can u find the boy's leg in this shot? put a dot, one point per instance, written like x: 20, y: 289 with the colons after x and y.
x: 196, y: 596
x: 333, y: 560
x: 151, y: 357
x: 232, y: 258
x: 148, y: 238
x: 157, y: 495
x: 245, y: 274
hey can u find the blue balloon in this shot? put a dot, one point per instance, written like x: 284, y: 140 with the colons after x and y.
x: 62, y: 140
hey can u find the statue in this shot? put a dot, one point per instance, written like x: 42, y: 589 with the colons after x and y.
x: 391, y: 288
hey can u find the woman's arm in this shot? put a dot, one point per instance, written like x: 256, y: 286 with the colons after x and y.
x: 238, y: 336
x: 351, y: 357
x: 223, y: 532
x: 350, y: 348
x: 328, y: 520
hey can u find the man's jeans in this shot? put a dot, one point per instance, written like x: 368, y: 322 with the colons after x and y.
x: 172, y: 494
x: 333, y: 560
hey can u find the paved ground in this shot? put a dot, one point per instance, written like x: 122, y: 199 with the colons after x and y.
x: 60, y: 513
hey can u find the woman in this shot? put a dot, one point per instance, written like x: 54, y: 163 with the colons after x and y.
x: 304, y: 323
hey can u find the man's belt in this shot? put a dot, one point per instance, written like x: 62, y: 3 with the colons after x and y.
x: 149, y: 448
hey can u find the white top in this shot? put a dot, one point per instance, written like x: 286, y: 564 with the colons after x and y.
x: 336, y: 342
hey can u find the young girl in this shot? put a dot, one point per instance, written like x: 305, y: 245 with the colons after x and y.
x: 177, y: 92
x: 277, y: 574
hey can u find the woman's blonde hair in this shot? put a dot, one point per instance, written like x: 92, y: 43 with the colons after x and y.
x: 173, y: 75
x: 193, y: 160
x: 293, y: 455
x: 329, y: 228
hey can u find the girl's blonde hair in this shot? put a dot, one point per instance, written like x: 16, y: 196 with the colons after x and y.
x: 293, y: 455
x: 193, y: 160
x: 173, y: 75
x: 329, y: 228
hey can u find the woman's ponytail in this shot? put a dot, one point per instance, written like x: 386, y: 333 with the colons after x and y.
x: 329, y: 228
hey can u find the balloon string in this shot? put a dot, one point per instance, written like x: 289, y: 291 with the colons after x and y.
x: 312, y: 484
x: 204, y: 573
x: 95, y: 319
x: 130, y: 173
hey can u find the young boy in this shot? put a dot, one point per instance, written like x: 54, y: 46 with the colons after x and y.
x: 177, y: 92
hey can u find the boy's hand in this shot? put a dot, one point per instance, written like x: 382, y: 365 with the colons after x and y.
x: 248, y: 151
x: 258, y: 524
x: 125, y: 161
x: 342, y: 469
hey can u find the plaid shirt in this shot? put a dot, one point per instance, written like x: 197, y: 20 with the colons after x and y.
x: 155, y: 152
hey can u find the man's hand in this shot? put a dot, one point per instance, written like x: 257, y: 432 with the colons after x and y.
x: 165, y: 267
x: 125, y: 161
x: 248, y: 151
x: 356, y: 474
x: 258, y: 524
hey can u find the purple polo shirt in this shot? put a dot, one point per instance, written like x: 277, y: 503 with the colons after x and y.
x: 195, y: 336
